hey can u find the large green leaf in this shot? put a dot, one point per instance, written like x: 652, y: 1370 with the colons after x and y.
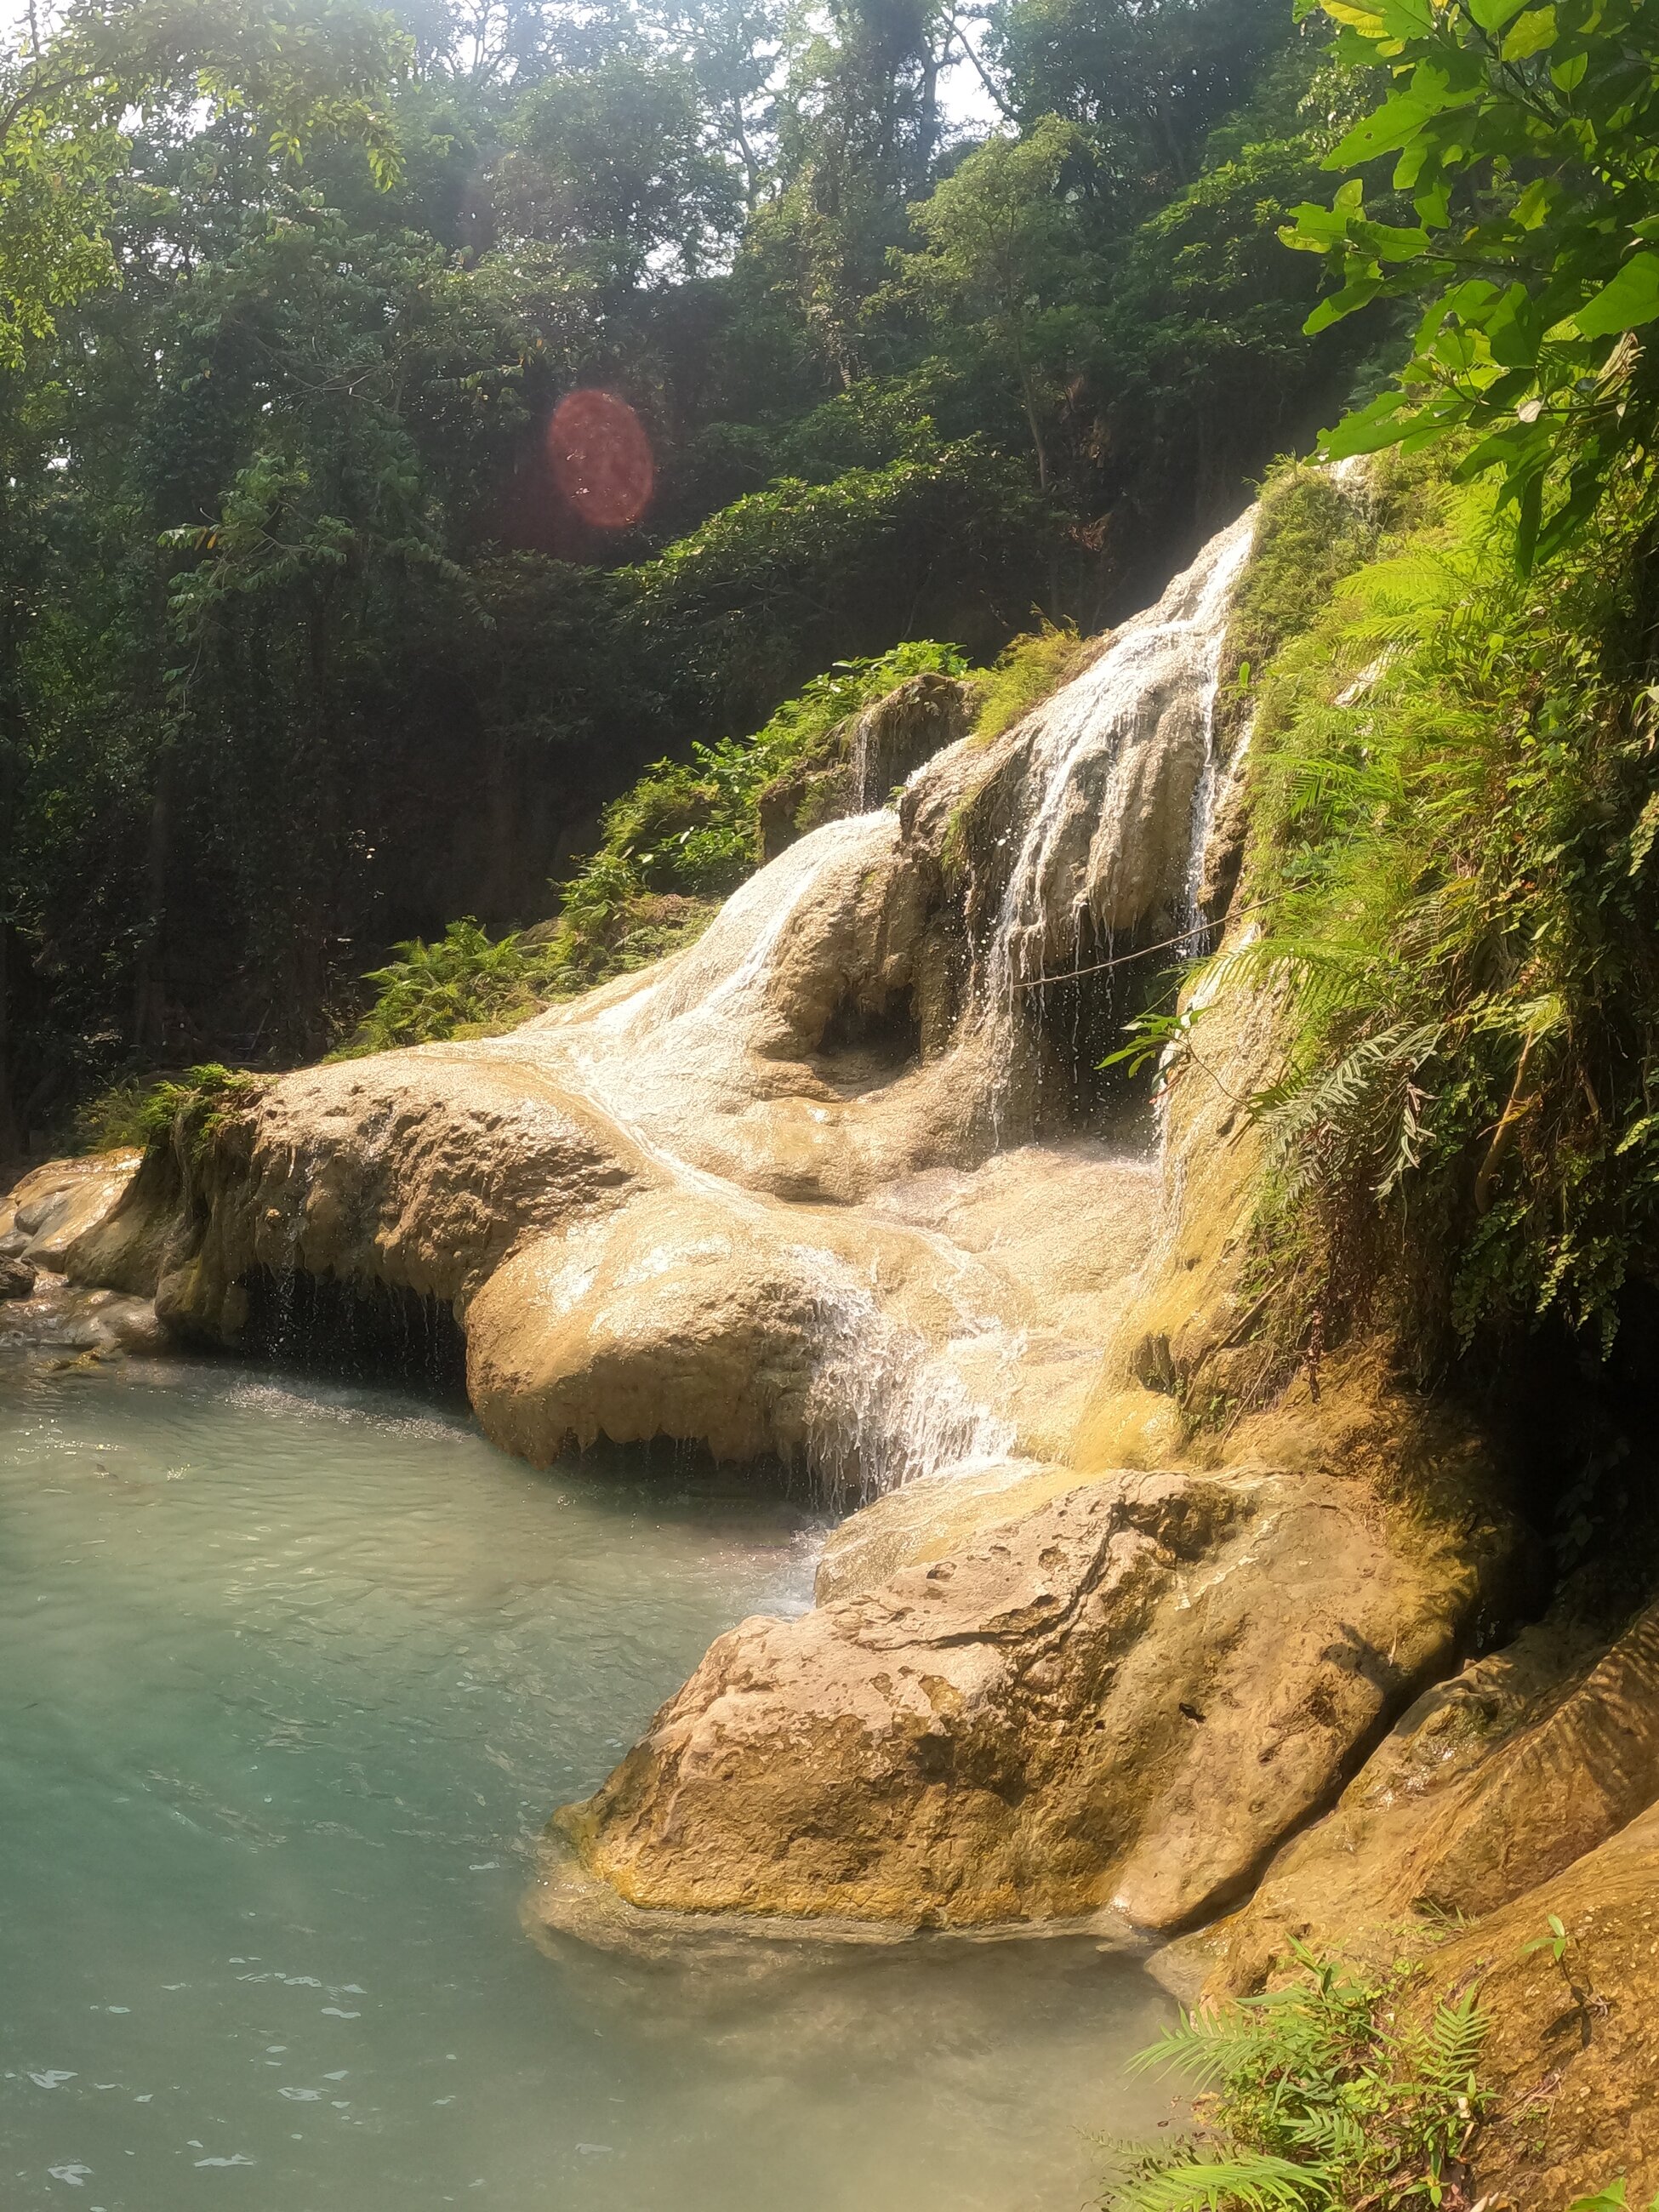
x: 1399, y: 119
x: 1530, y: 35
x: 1632, y: 298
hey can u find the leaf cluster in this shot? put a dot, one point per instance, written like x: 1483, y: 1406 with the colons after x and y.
x: 1453, y: 777
x: 1325, y: 2094
x: 1525, y: 136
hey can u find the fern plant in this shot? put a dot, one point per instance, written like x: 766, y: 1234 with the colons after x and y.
x: 1456, y: 906
x: 1327, y: 2093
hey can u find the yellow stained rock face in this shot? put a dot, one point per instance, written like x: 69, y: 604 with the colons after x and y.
x: 1570, y: 2053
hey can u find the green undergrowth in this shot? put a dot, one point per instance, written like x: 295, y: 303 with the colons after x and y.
x: 134, y: 1113
x: 1024, y: 674
x: 1453, y: 880
x: 680, y: 839
x: 1330, y: 2094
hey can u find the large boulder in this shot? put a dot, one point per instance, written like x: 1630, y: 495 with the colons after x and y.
x: 44, y: 1214
x: 1110, y: 1702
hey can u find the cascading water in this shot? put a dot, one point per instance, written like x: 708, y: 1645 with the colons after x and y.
x: 1118, y: 780
x: 882, y: 1411
x: 711, y: 1068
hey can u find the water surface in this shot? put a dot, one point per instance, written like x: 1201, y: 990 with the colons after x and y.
x: 290, y: 1676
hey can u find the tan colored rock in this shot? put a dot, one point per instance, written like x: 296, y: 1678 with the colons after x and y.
x: 1106, y: 1703
x: 43, y: 1214
x: 58, y: 1317
x: 1570, y: 2050
x: 865, y: 759
x: 1503, y: 1777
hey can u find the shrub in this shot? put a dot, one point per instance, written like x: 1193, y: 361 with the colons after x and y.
x: 136, y: 1111
x: 465, y: 983
x: 1325, y: 2093
x: 1454, y: 805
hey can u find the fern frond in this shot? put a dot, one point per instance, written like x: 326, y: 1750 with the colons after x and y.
x: 1257, y: 2182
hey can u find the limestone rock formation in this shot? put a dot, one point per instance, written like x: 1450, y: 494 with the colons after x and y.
x: 1102, y: 1701
x: 46, y: 1212
x: 1569, y: 2054
x: 832, y: 1186
x: 865, y: 759
x: 1529, y: 1760
x: 811, y: 1189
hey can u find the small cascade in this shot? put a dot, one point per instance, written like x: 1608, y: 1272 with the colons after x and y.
x: 1118, y: 784
x: 1107, y: 795
x: 729, y: 968
x: 882, y: 1409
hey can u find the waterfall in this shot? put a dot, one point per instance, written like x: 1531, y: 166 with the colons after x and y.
x: 1109, y: 788
x: 1118, y: 780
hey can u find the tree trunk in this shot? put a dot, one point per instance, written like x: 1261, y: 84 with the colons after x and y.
x: 149, y: 982
x: 12, y: 1140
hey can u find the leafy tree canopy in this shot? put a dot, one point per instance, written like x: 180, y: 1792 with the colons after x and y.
x: 1526, y: 139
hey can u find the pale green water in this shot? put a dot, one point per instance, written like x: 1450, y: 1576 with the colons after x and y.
x: 290, y: 1677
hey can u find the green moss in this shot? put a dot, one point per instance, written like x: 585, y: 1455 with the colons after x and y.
x: 135, y: 1112
x: 1031, y: 668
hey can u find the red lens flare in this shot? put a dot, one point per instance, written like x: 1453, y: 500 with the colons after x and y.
x: 601, y: 459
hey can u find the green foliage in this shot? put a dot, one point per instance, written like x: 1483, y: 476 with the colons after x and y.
x: 1454, y: 796
x: 1555, y: 1943
x: 1610, y: 2199
x: 1308, y: 537
x: 303, y: 650
x: 1027, y: 670
x: 464, y: 985
x: 137, y: 1111
x: 611, y: 163
x: 690, y: 830
x: 1325, y: 2093
x: 1527, y: 137
x: 795, y: 570
x: 999, y: 246
x: 293, y: 73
